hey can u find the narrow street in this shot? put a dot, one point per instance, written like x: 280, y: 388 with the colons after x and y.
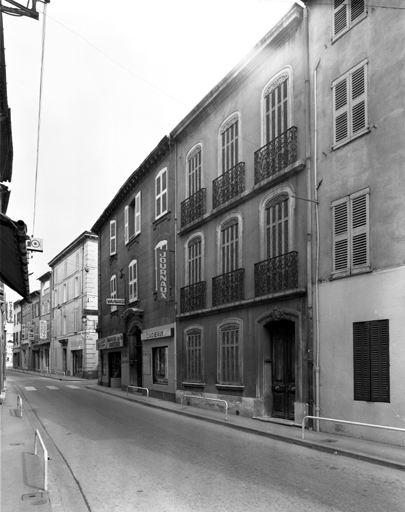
x: 128, y: 457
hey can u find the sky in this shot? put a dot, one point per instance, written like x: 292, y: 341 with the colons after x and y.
x: 117, y: 77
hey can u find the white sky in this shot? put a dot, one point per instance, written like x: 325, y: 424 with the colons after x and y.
x: 118, y: 76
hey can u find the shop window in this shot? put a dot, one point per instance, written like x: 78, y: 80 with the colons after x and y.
x: 160, y: 365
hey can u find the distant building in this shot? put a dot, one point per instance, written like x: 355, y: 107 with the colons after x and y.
x: 44, y: 340
x: 17, y: 335
x: 74, y: 298
x: 29, y: 358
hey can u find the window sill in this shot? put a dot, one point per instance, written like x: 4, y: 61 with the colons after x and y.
x: 348, y: 273
x: 133, y: 239
x: 353, y: 137
x: 162, y: 218
x: 348, y: 29
x: 113, y: 257
x: 161, y: 383
x: 231, y: 387
x: 194, y: 384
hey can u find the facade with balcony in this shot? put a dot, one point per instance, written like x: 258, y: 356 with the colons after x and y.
x: 241, y: 256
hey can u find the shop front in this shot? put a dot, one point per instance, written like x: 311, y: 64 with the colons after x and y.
x: 112, y: 356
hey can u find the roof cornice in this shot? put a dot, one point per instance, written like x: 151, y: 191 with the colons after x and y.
x: 77, y: 241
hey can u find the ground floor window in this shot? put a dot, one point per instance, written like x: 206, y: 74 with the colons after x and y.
x: 194, y: 364
x: 160, y: 365
x: 229, y: 354
x: 371, y: 361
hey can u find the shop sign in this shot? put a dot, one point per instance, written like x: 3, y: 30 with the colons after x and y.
x: 10, y: 312
x: 42, y: 329
x: 162, y: 274
x: 114, y: 341
x: 156, y: 333
x: 76, y: 344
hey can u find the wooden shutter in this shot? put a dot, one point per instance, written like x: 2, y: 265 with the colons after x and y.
x: 361, y: 361
x: 358, y: 99
x: 113, y: 237
x: 360, y: 231
x: 358, y: 7
x: 340, y: 16
x: 341, y: 111
x: 138, y: 213
x: 340, y: 236
x: 379, y: 348
x: 126, y: 224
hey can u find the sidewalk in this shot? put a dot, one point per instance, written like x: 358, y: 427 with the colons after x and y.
x: 370, y: 451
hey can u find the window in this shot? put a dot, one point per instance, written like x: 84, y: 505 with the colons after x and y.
x: 64, y: 325
x: 229, y: 143
x: 229, y: 246
x: 76, y: 320
x: 276, y: 107
x: 194, y: 360
x: 194, y: 260
x: 350, y: 105
x: 194, y: 170
x: 113, y: 237
x: 351, y: 233
x: 160, y: 365
x: 132, y: 218
x: 55, y: 293
x: 23, y: 331
x: 64, y: 292
x: 161, y: 193
x: 277, y: 225
x: 138, y: 213
x: 113, y: 291
x: 347, y: 13
x: 371, y: 361
x: 229, y: 353
x: 133, y: 280
x: 76, y: 286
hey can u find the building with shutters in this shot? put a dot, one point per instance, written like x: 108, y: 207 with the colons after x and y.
x: 358, y: 137
x: 74, y: 302
x: 44, y: 338
x: 29, y: 331
x: 136, y: 233
x: 17, y: 334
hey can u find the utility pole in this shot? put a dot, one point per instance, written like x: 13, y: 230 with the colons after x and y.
x: 21, y: 10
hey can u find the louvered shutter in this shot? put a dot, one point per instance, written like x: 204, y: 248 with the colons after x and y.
x: 340, y: 16
x: 379, y: 345
x: 126, y: 224
x: 131, y: 283
x: 360, y: 228
x: 358, y: 99
x: 361, y: 360
x: 341, y: 111
x: 138, y: 213
x: 358, y: 7
x: 340, y: 236
x: 113, y: 237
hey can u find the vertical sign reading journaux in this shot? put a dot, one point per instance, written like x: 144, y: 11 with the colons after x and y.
x: 162, y: 274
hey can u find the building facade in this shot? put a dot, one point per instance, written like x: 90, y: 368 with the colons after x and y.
x: 17, y: 334
x: 29, y: 329
x: 44, y: 339
x: 74, y: 299
x: 358, y: 131
x: 136, y: 259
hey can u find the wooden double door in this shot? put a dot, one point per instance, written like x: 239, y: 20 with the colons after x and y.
x: 282, y: 339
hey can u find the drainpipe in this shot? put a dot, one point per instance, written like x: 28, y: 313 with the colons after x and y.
x: 175, y: 266
x: 309, y: 197
x: 316, y: 186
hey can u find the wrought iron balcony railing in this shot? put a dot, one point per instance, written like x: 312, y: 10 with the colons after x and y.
x: 276, y: 274
x: 276, y: 155
x: 192, y: 298
x: 228, y: 185
x: 228, y: 287
x: 193, y: 207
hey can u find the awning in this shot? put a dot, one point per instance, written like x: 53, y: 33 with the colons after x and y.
x: 13, y: 256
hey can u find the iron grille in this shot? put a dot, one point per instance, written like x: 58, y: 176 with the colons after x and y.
x: 276, y: 155
x: 229, y: 185
x: 192, y: 297
x: 228, y: 287
x: 193, y: 207
x: 276, y: 274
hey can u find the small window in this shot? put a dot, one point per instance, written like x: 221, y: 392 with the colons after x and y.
x: 347, y: 13
x: 194, y: 359
x: 371, y: 361
x: 161, y: 193
x: 113, y: 291
x: 113, y: 237
x: 350, y: 118
x: 133, y: 280
x: 160, y: 357
x: 351, y: 233
x: 229, y: 354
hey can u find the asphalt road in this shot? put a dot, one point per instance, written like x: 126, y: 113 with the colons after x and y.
x: 123, y: 457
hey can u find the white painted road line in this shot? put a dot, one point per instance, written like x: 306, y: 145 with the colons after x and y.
x: 30, y: 388
x: 52, y: 387
x: 72, y: 387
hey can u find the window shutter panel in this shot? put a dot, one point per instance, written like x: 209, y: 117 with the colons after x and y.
x: 361, y: 360
x: 130, y: 281
x: 379, y: 343
x: 357, y: 9
x: 360, y: 227
x: 113, y: 247
x: 340, y: 237
x: 138, y: 213
x: 341, y: 111
x: 135, y: 278
x: 340, y: 11
x: 358, y: 94
x: 126, y: 224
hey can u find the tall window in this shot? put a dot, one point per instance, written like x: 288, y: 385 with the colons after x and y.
x: 350, y: 105
x: 194, y: 171
x: 64, y: 292
x: 76, y: 286
x: 229, y: 354
x: 277, y: 225
x: 371, y: 361
x: 229, y: 135
x: 138, y: 213
x: 276, y: 109
x: 132, y: 218
x: 230, y: 246
x: 113, y: 237
x: 113, y: 290
x: 347, y: 13
x: 194, y: 260
x: 160, y: 357
x: 194, y: 360
x: 351, y: 233
x: 133, y: 280
x: 161, y: 193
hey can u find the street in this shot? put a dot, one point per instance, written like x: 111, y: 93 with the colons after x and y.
x: 124, y: 456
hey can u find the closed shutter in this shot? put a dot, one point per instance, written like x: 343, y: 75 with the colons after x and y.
x: 340, y: 236
x: 138, y: 213
x: 131, y: 284
x: 126, y: 224
x: 358, y: 8
x: 113, y: 237
x: 358, y: 100
x: 379, y: 344
x: 359, y: 250
x: 340, y: 16
x: 361, y: 360
x: 341, y: 111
